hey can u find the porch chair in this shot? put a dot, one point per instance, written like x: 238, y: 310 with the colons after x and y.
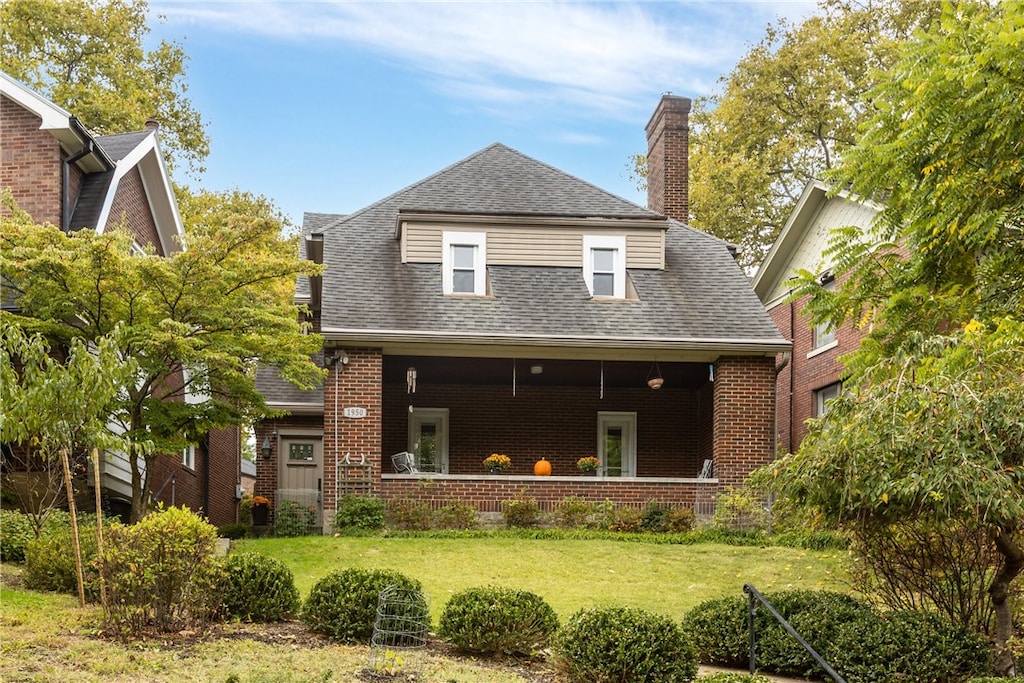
x: 706, y: 471
x: 404, y: 463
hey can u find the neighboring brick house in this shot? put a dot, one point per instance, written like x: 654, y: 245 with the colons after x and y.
x: 61, y: 174
x: 501, y: 305
x: 811, y: 374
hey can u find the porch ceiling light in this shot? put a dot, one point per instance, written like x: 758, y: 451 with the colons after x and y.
x: 654, y: 378
x: 536, y: 369
x: 265, y: 449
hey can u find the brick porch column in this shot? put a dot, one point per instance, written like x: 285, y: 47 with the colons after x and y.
x: 744, y: 416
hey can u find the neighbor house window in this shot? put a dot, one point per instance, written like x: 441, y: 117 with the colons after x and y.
x: 463, y: 263
x: 188, y: 457
x: 604, y: 266
x: 824, y: 333
x: 823, y: 396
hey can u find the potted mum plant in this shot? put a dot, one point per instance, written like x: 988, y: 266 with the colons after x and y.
x: 588, y: 464
x: 260, y: 507
x: 497, y: 462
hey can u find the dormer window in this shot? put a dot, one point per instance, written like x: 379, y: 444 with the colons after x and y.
x: 463, y: 263
x: 604, y: 266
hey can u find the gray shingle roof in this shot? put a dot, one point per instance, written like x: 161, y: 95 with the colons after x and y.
x: 95, y: 186
x: 702, y: 293
x: 276, y: 390
x: 120, y: 145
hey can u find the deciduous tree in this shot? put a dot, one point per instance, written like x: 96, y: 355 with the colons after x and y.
x: 930, y: 424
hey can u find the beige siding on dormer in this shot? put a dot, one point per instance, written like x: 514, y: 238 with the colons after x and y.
x: 532, y: 246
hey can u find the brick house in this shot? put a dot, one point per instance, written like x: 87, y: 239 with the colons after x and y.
x: 61, y: 174
x: 811, y: 373
x: 501, y: 305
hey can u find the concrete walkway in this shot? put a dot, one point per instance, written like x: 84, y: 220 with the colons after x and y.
x: 715, y: 669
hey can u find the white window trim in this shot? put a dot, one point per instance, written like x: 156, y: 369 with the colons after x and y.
x: 628, y: 421
x: 617, y: 243
x: 820, y: 398
x: 188, y: 457
x: 472, y: 239
x: 822, y: 349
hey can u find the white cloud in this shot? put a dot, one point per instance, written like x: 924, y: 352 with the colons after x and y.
x: 607, y: 58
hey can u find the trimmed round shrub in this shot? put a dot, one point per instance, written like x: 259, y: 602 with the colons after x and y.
x: 495, y: 621
x: 15, y: 533
x: 259, y: 588
x: 359, y: 512
x: 908, y: 646
x: 817, y: 616
x: 343, y: 604
x: 719, y: 632
x: 623, y: 644
x: 233, y: 531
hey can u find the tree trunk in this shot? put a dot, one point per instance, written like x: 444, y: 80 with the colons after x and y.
x: 137, y: 488
x: 999, y: 590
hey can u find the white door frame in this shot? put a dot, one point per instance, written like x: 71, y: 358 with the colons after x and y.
x: 627, y: 423
x: 440, y: 417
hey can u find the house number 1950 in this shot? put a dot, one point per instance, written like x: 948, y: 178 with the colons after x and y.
x: 354, y: 413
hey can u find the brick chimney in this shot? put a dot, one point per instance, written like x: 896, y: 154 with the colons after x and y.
x: 668, y: 164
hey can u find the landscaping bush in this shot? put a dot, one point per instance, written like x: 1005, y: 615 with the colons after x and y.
x: 15, y: 533
x: 259, y: 588
x: 740, y: 509
x: 719, y: 632
x: 409, y: 515
x: 456, y: 515
x: 495, y: 621
x: 162, y: 572
x: 233, y: 531
x: 359, y: 512
x: 294, y: 519
x: 818, y: 616
x: 623, y: 644
x: 343, y: 604
x: 663, y: 518
x: 521, y: 511
x: 729, y: 677
x: 908, y: 646
x: 626, y: 519
x: 572, y: 512
x: 50, y: 559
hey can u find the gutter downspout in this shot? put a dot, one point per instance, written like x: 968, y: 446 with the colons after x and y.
x: 792, y: 368
x: 206, y: 476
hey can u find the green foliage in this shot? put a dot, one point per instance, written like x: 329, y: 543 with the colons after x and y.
x: 456, y: 515
x: 294, y: 519
x: 259, y: 588
x: 233, y: 531
x: 572, y: 512
x: 91, y: 59
x: 497, y: 621
x: 664, y: 518
x: 409, y: 515
x: 741, y: 509
x: 728, y: 677
x: 161, y: 573
x: 359, y: 512
x: 913, y: 646
x: 521, y: 511
x: 623, y: 645
x: 15, y: 533
x: 812, y: 540
x: 626, y: 519
x: 50, y: 559
x: 343, y: 604
x: 719, y: 631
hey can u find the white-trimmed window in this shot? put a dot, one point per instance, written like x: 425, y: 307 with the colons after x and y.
x: 604, y: 266
x: 188, y: 457
x: 463, y: 263
x: 824, y: 333
x: 823, y: 396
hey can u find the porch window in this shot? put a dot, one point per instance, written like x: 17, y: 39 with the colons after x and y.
x: 616, y: 444
x: 604, y: 266
x: 463, y: 263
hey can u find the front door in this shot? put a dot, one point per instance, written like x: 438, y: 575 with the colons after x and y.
x: 428, y: 439
x: 300, y: 498
x: 616, y: 444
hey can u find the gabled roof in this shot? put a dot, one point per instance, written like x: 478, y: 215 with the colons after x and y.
x: 701, y: 301
x: 796, y: 235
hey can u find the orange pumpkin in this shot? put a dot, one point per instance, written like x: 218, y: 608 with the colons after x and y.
x: 542, y: 468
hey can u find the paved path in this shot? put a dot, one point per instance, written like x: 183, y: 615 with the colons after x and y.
x: 714, y: 669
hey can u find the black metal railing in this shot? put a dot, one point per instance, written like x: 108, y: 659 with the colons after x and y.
x: 754, y: 598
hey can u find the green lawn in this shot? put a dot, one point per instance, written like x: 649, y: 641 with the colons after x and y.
x: 46, y: 637
x: 569, y: 574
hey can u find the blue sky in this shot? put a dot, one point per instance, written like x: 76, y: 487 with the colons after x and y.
x: 330, y: 106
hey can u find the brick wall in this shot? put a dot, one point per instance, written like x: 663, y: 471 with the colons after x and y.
x: 130, y: 203
x: 30, y: 163
x: 798, y: 382
x: 557, y: 423
x: 744, y: 405
x: 224, y: 461
x: 668, y: 141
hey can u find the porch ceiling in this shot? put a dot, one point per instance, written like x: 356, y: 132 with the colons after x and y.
x: 453, y: 370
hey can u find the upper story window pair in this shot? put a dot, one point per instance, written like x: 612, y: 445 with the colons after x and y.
x: 464, y: 264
